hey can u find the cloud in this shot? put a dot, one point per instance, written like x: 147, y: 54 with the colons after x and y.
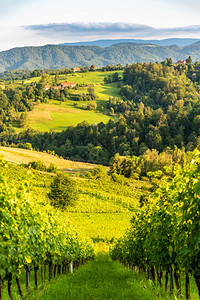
x: 178, y: 30
x: 81, y: 27
x: 79, y: 30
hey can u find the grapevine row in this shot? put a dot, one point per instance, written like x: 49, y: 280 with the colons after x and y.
x: 164, y: 237
x: 34, y: 235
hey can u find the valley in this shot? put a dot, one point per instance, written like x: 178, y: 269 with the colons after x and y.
x: 125, y: 140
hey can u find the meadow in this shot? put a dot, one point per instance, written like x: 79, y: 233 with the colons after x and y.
x: 58, y: 115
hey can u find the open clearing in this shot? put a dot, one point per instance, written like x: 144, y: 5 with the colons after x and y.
x: 20, y: 156
x: 58, y: 115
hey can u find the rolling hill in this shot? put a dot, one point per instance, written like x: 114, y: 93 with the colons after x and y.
x: 107, y: 43
x: 60, y: 56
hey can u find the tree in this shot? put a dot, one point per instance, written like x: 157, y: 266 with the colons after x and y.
x: 45, y: 79
x: 63, y: 191
x: 92, y: 68
x: 189, y: 60
x: 57, y: 78
x: 91, y: 91
x: 99, y: 172
x: 115, y: 77
x: 23, y: 119
x: 169, y: 62
x: 92, y: 105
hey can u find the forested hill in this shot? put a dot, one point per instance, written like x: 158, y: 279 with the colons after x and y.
x: 60, y: 56
x: 107, y: 43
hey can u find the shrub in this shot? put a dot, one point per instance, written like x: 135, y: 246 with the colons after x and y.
x: 63, y: 191
x: 98, y: 172
x: 37, y: 165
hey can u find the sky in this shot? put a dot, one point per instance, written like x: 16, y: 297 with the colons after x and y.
x: 40, y: 22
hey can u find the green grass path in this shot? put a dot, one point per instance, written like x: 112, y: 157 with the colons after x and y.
x: 99, y: 279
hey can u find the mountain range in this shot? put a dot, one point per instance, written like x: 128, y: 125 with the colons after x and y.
x: 107, y: 43
x: 63, y: 56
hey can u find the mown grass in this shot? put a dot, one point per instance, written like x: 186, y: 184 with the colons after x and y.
x: 42, y: 120
x: 104, y: 279
x: 99, y: 279
x: 96, y: 77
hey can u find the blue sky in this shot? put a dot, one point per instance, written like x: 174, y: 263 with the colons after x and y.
x: 38, y: 22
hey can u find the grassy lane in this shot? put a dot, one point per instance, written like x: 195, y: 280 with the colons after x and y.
x: 100, y: 279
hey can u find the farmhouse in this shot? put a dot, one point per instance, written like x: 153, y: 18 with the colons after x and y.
x: 57, y: 87
x: 76, y: 69
x: 67, y: 85
x: 92, y: 67
x: 47, y: 87
x: 181, y: 61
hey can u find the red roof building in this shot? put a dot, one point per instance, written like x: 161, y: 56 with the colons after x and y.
x: 93, y: 67
x: 47, y: 87
x: 181, y: 61
x: 76, y: 69
x: 57, y: 87
x: 67, y: 85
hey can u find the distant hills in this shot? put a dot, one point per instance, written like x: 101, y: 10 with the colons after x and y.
x: 107, y: 43
x: 62, y: 56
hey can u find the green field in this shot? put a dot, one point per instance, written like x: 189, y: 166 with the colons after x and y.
x: 88, y: 78
x: 56, y: 116
x: 59, y: 115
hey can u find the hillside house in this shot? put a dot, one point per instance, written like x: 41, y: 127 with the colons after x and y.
x: 181, y: 61
x: 76, y: 69
x: 67, y: 85
x: 93, y: 67
x: 47, y: 87
x: 57, y: 87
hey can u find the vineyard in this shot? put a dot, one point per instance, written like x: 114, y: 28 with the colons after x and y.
x: 33, y: 236
x: 164, y: 236
x: 39, y: 242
